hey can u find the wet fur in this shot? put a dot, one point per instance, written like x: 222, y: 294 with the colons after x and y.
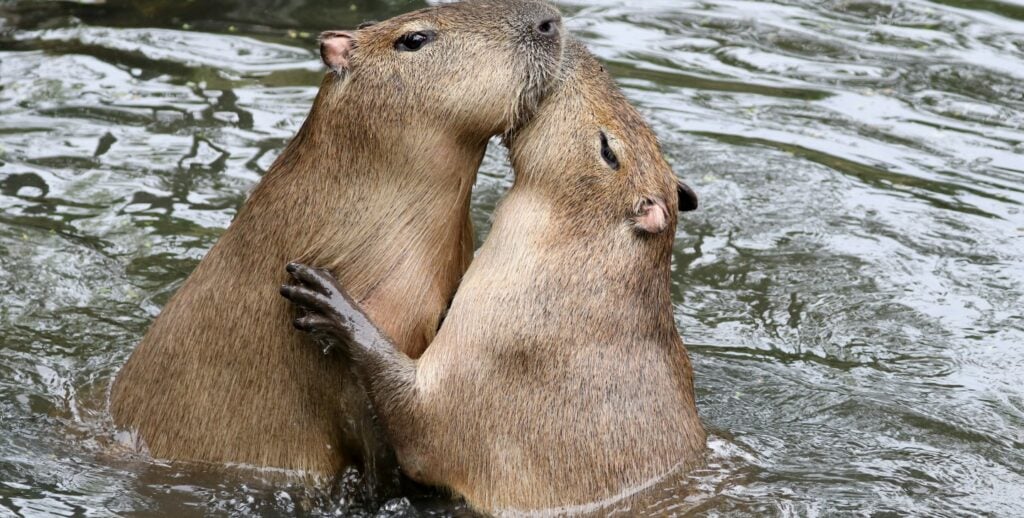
x: 558, y: 377
x: 376, y: 188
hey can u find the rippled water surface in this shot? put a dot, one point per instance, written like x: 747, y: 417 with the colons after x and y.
x: 852, y: 291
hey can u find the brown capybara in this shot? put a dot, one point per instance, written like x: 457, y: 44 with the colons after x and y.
x: 558, y: 377
x: 376, y: 188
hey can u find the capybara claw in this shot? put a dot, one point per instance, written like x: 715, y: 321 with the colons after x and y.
x: 306, y: 298
x: 311, y: 323
x: 293, y: 293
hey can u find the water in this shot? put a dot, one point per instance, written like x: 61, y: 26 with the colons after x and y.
x: 851, y: 291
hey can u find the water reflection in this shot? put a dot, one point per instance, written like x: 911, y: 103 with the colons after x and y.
x: 850, y: 292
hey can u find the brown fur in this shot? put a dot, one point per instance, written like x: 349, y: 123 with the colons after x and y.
x: 378, y: 180
x: 558, y: 377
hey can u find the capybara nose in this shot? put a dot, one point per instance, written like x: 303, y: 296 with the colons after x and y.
x: 549, y: 27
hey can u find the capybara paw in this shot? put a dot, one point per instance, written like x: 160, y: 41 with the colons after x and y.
x: 328, y: 308
x: 319, y: 280
x: 319, y: 316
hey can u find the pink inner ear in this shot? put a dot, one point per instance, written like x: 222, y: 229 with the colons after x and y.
x: 336, y: 49
x: 652, y: 216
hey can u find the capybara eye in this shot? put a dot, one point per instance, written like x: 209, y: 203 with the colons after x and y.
x: 607, y: 154
x: 547, y: 27
x: 414, y: 41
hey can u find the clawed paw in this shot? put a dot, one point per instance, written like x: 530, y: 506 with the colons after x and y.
x: 329, y: 312
x: 328, y: 309
x: 316, y: 291
x: 316, y: 279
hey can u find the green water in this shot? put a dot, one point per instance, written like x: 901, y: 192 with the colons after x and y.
x: 852, y: 290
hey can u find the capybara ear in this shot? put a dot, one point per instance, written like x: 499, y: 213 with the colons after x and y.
x: 336, y: 49
x: 687, y: 197
x: 651, y: 216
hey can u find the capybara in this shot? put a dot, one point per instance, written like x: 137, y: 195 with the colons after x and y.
x: 374, y: 187
x: 558, y: 377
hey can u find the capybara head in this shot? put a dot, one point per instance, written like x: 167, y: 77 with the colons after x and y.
x: 481, y: 66
x: 589, y: 146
